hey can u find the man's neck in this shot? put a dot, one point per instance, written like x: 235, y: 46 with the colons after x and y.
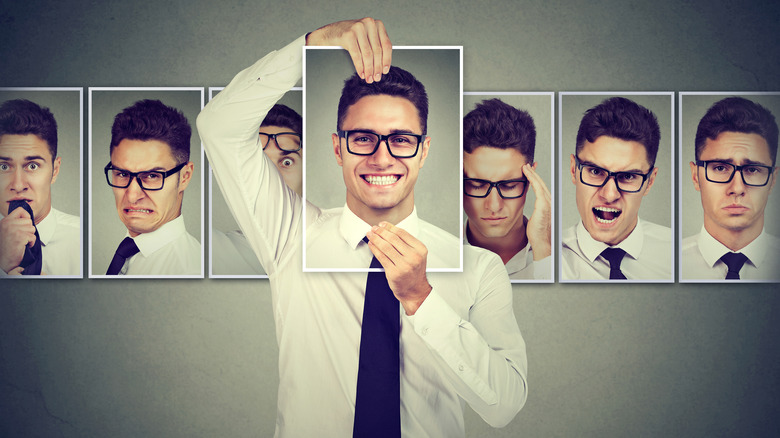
x: 734, y: 240
x: 506, y: 247
x: 373, y: 216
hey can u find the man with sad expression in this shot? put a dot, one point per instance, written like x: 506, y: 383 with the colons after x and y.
x: 613, y: 168
x: 734, y: 170
x: 445, y: 338
x: 148, y: 172
x: 29, y: 165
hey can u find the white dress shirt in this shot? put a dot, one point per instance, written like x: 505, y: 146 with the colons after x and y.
x: 522, y: 265
x: 700, y: 258
x: 60, y: 235
x: 168, y: 250
x: 231, y: 255
x: 648, y: 254
x: 463, y: 344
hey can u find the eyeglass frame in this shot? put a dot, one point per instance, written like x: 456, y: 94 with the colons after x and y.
x: 495, y: 184
x: 705, y: 163
x: 137, y: 176
x: 613, y: 175
x: 382, y: 138
x: 273, y: 137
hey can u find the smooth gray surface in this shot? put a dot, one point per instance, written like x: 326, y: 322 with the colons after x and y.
x: 106, y: 230
x: 96, y: 358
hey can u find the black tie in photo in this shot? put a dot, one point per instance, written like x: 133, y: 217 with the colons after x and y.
x: 126, y: 250
x: 32, y: 261
x: 614, y: 256
x: 734, y: 261
x: 378, y: 403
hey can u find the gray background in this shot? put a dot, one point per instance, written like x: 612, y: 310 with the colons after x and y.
x: 657, y: 205
x: 540, y: 108
x: 198, y: 357
x: 105, y: 227
x: 693, y: 108
x: 436, y: 194
x: 65, y: 106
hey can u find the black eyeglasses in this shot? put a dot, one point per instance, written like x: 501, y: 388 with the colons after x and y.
x: 400, y: 145
x: 148, y: 180
x: 594, y: 176
x: 507, y: 189
x: 755, y: 175
x: 286, y: 141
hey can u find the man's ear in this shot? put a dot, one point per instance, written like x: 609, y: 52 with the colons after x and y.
x: 651, y: 180
x: 55, y: 169
x: 337, y: 148
x: 185, y: 175
x: 695, y: 176
x: 425, y: 146
x: 573, y: 168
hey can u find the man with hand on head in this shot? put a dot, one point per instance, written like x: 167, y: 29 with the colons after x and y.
x: 498, y: 167
x: 280, y: 138
x: 736, y: 149
x: 35, y: 238
x: 381, y: 354
x: 149, y: 170
x: 613, y: 169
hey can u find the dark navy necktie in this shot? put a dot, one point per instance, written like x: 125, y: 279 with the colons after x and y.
x: 734, y: 261
x: 614, y: 256
x: 378, y: 402
x: 126, y: 250
x: 32, y: 261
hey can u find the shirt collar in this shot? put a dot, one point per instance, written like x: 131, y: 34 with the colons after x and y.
x: 353, y: 229
x: 47, y: 227
x: 518, y: 261
x: 148, y: 243
x: 592, y: 248
x: 712, y: 250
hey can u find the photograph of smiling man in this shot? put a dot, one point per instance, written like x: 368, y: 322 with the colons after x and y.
x: 616, y: 160
x: 40, y: 182
x: 728, y: 215
x: 145, y: 182
x: 348, y: 155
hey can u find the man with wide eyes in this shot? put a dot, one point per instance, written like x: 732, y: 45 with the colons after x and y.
x: 280, y: 138
x: 613, y: 168
x: 498, y: 168
x: 149, y: 170
x: 35, y: 238
x: 734, y: 170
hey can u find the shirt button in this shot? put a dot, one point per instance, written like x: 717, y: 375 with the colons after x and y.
x: 461, y: 367
x: 425, y: 331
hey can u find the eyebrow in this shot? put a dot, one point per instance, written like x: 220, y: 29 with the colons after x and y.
x: 392, y: 131
x: 153, y: 169
x: 588, y: 163
x: 744, y: 162
x: 27, y: 158
x: 286, y: 153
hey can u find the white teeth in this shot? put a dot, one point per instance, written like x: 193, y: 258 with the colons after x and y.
x: 382, y: 180
x: 610, y: 210
x: 138, y: 210
x: 605, y: 221
x: 607, y: 209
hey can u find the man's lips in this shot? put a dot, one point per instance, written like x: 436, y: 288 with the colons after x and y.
x: 137, y: 210
x: 606, y: 215
x: 493, y: 218
x: 381, y: 180
x: 736, y: 208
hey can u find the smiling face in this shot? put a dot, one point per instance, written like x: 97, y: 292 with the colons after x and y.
x: 27, y: 173
x: 733, y: 207
x: 143, y: 211
x: 494, y: 217
x: 608, y: 214
x: 380, y: 186
x: 288, y: 163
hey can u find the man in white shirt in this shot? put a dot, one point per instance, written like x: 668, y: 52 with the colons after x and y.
x: 458, y: 337
x: 280, y: 138
x: 29, y: 165
x: 498, y: 167
x: 613, y: 168
x: 734, y: 170
x: 148, y: 172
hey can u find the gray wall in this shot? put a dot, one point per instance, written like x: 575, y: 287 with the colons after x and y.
x: 198, y: 357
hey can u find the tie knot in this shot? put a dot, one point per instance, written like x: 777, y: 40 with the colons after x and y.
x: 613, y: 255
x: 734, y: 261
x: 127, y: 248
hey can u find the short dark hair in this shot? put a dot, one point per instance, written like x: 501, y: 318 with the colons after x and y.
x: 737, y: 114
x: 397, y: 83
x: 153, y: 120
x: 496, y: 124
x: 284, y: 117
x: 22, y: 117
x: 624, y: 119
